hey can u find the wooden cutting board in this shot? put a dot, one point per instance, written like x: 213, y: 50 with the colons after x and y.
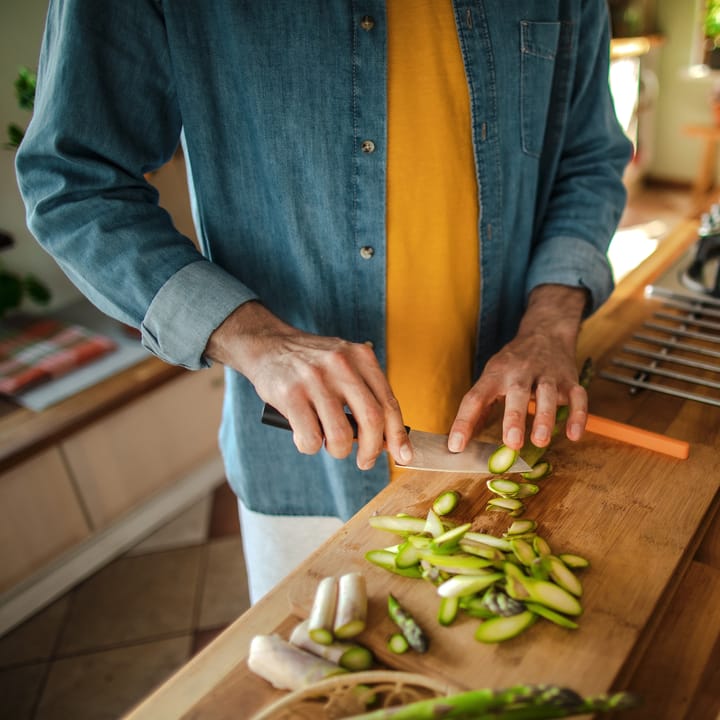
x: 634, y: 514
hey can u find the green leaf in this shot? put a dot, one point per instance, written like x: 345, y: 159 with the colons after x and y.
x: 36, y: 290
x: 25, y: 84
x: 11, y: 291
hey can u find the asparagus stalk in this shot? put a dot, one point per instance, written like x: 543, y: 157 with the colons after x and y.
x: 521, y: 702
x: 413, y: 633
x: 347, y: 655
x: 351, y: 612
x: 285, y: 666
x: 322, y: 612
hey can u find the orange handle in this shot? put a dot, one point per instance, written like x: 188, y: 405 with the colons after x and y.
x: 633, y: 435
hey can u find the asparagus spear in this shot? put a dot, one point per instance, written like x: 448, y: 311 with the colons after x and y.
x: 322, y: 613
x: 285, y: 666
x: 521, y: 702
x: 351, y: 612
x: 413, y: 633
x: 347, y: 655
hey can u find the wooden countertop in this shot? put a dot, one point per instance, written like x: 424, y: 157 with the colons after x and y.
x: 647, y: 522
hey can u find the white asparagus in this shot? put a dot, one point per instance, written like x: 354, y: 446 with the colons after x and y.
x: 285, y: 666
x: 351, y: 612
x: 340, y: 653
x: 322, y: 613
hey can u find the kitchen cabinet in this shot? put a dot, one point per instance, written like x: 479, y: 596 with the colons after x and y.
x: 141, y: 448
x: 89, y: 477
x: 40, y: 516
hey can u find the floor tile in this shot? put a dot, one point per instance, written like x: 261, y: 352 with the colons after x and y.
x: 188, y: 528
x: 225, y: 591
x: 19, y: 691
x: 224, y: 519
x: 35, y: 639
x: 105, y: 685
x: 132, y: 599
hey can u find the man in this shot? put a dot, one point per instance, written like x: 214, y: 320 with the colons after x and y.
x: 398, y: 207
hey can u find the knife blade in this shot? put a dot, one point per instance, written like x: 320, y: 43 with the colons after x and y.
x: 430, y: 451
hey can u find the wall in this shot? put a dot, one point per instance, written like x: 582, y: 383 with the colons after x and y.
x: 21, y: 25
x: 681, y: 100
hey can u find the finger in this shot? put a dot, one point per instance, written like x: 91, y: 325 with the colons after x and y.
x: 545, y: 409
x: 335, y: 425
x: 474, y: 408
x: 578, y: 413
x: 516, y: 403
x: 387, y: 428
x: 306, y: 429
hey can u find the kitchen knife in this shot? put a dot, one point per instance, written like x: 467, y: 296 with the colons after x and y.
x: 430, y: 451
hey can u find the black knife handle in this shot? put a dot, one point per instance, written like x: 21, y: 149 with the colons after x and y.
x: 274, y: 418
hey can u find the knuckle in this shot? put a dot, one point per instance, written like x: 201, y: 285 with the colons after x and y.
x: 308, y: 444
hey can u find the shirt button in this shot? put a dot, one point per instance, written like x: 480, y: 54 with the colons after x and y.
x: 366, y: 252
x: 367, y: 146
x: 367, y: 23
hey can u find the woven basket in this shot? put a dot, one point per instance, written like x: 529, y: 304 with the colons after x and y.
x: 350, y: 694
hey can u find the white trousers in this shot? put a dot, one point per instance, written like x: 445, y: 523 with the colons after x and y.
x: 274, y: 545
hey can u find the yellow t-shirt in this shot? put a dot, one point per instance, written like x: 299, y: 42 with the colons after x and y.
x: 433, y: 274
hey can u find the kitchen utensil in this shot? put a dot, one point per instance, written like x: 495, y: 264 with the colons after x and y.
x: 430, y: 451
x: 633, y: 435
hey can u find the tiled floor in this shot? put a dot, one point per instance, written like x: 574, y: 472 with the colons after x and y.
x: 107, y: 643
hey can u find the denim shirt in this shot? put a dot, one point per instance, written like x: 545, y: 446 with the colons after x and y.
x: 274, y: 103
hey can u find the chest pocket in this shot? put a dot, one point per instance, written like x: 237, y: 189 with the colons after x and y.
x: 538, y: 50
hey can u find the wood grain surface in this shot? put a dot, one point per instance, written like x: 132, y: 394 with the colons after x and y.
x: 634, y: 514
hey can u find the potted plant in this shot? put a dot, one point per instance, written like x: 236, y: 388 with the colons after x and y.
x: 15, y: 286
x: 711, y: 30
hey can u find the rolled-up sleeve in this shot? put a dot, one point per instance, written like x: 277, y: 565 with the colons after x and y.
x: 586, y: 196
x: 106, y: 113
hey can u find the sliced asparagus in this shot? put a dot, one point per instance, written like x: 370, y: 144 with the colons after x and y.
x: 387, y: 560
x: 351, y: 612
x: 487, y: 539
x: 563, y: 576
x: 347, y: 655
x: 503, y: 628
x: 322, y: 613
x: 523, y: 551
x: 526, y: 490
x: 446, y: 502
x: 450, y: 538
x: 285, y: 666
x: 402, y: 525
x: 521, y: 527
x: 433, y: 525
x: 503, y: 487
x: 448, y: 610
x: 459, y: 585
x: 398, y: 644
x: 497, y: 602
x: 509, y: 505
x: 575, y: 562
x: 551, y: 615
x: 414, y: 634
x: 460, y: 564
x: 541, y: 546
x: 539, y: 470
x: 502, y: 460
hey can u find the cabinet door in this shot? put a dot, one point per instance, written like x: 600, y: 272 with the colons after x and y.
x: 40, y: 516
x: 125, y: 458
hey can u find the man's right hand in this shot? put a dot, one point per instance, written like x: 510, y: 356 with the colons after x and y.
x: 310, y: 379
